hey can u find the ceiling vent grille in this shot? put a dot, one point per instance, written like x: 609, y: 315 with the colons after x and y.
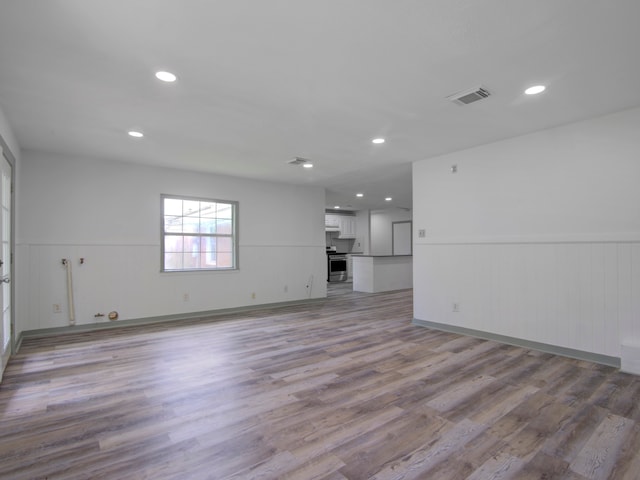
x: 469, y: 96
x: 298, y: 161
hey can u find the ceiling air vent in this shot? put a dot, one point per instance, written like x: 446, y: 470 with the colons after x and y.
x: 298, y: 161
x: 469, y: 96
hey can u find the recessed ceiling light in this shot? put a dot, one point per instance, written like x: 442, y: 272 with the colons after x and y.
x: 388, y: 199
x: 359, y: 194
x: 337, y: 207
x: 307, y: 165
x: 135, y: 134
x: 377, y: 140
x: 536, y: 89
x: 166, y: 76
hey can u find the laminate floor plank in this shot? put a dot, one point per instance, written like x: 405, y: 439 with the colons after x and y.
x: 339, y: 389
x: 418, y: 463
x: 627, y: 465
x: 596, y: 459
x: 364, y: 455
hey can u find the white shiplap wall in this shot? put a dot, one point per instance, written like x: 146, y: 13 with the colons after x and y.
x: 536, y: 237
x: 573, y: 295
x: 109, y: 214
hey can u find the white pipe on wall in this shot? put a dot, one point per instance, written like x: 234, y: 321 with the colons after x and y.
x: 72, y: 312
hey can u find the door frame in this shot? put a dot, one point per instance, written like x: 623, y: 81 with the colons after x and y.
x: 11, y: 159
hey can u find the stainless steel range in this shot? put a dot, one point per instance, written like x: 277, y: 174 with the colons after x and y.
x: 336, y: 266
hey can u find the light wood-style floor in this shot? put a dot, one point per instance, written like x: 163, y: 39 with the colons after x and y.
x: 344, y: 388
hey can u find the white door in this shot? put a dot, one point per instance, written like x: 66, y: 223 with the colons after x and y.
x: 5, y: 261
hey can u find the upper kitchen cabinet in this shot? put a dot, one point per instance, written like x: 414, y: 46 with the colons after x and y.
x: 331, y: 222
x: 347, y: 227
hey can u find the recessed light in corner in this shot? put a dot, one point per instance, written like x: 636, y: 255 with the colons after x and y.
x: 307, y: 165
x: 536, y: 89
x: 135, y: 134
x: 388, y: 199
x: 377, y: 140
x: 360, y: 195
x: 166, y: 76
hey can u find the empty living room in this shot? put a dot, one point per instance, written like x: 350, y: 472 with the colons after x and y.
x: 319, y: 240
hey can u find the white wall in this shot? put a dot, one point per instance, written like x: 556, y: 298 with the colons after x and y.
x: 536, y: 237
x: 7, y: 134
x: 109, y: 214
x: 382, y: 229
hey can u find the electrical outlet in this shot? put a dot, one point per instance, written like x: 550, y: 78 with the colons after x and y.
x: 185, y: 297
x: 56, y: 308
x: 455, y: 307
x: 286, y: 288
x: 253, y: 295
x: 422, y: 233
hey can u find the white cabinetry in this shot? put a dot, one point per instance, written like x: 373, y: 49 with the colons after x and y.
x: 331, y: 222
x: 382, y: 273
x: 347, y: 227
x: 344, y: 224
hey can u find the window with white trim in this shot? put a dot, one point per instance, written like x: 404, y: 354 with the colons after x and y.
x: 198, y: 234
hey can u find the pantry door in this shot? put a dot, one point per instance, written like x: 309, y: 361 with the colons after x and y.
x: 5, y: 261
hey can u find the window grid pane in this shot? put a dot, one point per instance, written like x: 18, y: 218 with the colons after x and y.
x: 207, y: 210
x: 173, y: 207
x: 198, y: 234
x: 172, y: 224
x: 173, y: 261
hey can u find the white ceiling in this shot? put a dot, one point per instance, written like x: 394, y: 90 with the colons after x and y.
x: 261, y: 82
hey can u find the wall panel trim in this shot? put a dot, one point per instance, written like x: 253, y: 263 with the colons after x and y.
x: 530, y: 239
x: 211, y: 314
x: 519, y: 342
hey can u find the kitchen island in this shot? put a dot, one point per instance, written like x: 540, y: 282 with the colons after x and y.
x: 382, y: 273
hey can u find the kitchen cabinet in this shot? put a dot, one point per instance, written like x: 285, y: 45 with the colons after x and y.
x: 331, y: 222
x: 347, y: 227
x: 382, y: 273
